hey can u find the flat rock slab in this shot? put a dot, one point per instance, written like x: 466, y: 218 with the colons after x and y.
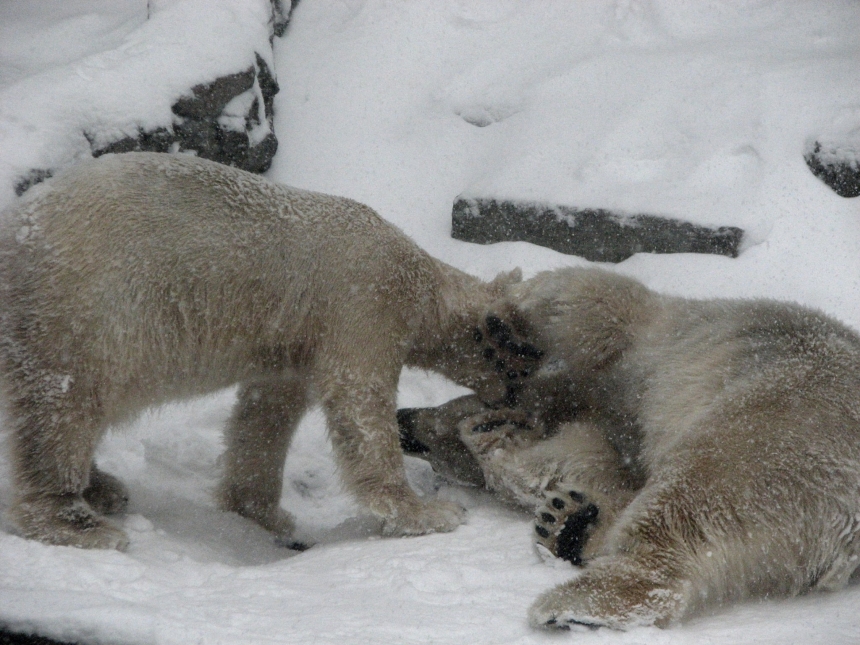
x: 594, y: 234
x: 15, y: 638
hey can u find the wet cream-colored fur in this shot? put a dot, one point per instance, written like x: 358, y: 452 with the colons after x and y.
x: 136, y: 279
x: 708, y: 451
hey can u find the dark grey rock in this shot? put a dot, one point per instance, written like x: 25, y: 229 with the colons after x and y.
x: 16, y: 638
x: 198, y: 125
x: 158, y: 140
x: 836, y: 165
x: 197, y: 135
x: 207, y: 100
x: 259, y: 157
x: 281, y: 16
x: 594, y: 234
x: 35, y: 176
x: 268, y: 86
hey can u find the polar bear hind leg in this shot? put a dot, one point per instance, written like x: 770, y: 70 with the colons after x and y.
x: 61, y: 494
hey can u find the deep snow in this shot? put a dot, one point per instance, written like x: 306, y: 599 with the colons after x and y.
x: 700, y: 110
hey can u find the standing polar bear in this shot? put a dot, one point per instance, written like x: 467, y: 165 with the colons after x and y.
x: 135, y: 279
x: 689, y: 453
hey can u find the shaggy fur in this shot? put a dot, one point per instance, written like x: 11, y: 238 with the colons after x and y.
x: 714, y: 455
x: 136, y: 279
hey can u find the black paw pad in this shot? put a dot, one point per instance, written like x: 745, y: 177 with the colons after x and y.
x: 524, y: 350
x: 565, y: 524
x: 573, y: 536
x: 512, y: 396
x: 498, y: 330
x: 503, y: 335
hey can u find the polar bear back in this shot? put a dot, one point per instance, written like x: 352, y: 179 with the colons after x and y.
x: 190, y: 270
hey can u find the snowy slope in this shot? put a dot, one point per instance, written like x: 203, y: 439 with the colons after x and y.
x: 700, y: 110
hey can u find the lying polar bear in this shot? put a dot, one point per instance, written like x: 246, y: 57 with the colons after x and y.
x: 688, y: 453
x: 134, y: 279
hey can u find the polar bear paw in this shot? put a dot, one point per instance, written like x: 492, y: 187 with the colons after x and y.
x: 564, y: 523
x: 509, y: 354
x: 66, y: 520
x: 503, y: 429
x: 434, y: 516
x: 615, y: 592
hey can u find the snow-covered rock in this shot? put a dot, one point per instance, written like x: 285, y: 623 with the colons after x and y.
x: 228, y: 120
x: 595, y: 234
x: 192, y: 75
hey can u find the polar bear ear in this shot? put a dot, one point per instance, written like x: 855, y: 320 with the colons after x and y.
x: 504, y: 280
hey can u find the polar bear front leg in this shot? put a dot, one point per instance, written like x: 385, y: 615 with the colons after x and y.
x: 614, y: 591
x: 362, y: 423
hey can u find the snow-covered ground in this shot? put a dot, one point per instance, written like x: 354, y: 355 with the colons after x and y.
x: 699, y: 110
